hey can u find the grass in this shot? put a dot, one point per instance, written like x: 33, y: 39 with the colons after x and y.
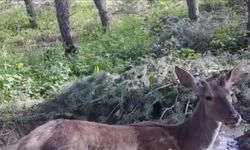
x: 32, y: 63
x: 32, y: 71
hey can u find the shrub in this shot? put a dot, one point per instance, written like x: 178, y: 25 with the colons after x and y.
x: 126, y: 44
x: 171, y: 8
x: 229, y: 38
x: 186, y: 53
x: 14, y: 20
x: 4, y: 36
x: 13, y: 83
x: 211, y: 5
x: 181, y: 33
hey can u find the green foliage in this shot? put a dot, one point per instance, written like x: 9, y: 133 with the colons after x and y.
x: 186, y: 53
x: 101, y: 98
x: 3, y: 36
x: 89, y: 21
x: 13, y: 83
x: 154, y: 17
x: 46, y: 68
x: 15, y: 41
x: 15, y: 33
x: 126, y: 44
x: 210, y: 5
x: 47, y: 21
x: 33, y: 63
x: 229, y: 38
x: 13, y: 20
x: 152, y: 80
x: 171, y: 8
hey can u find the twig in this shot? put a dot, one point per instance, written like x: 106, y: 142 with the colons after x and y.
x: 187, y: 105
x: 115, y: 85
x: 3, y: 127
x: 161, y: 87
x: 6, y: 131
x: 169, y: 108
x: 18, y: 129
x: 112, y: 112
x: 95, y: 100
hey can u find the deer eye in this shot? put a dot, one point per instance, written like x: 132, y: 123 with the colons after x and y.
x: 232, y: 94
x: 209, y: 98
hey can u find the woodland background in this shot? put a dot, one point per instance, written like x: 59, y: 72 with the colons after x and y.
x: 113, y: 61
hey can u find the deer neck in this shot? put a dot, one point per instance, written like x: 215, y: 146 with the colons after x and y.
x: 199, y: 132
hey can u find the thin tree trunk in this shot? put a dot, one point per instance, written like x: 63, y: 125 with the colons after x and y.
x: 248, y: 24
x: 62, y: 13
x: 31, y: 13
x: 101, y: 6
x: 193, y: 9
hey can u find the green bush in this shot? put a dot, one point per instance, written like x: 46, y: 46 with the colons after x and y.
x: 229, y: 38
x: 171, y: 8
x: 126, y: 44
x: 14, y: 83
x: 210, y: 5
x: 48, y: 69
x: 186, y: 53
x: 4, y: 36
x: 14, y: 20
x: 29, y: 71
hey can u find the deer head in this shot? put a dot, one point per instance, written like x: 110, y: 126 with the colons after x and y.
x: 217, y: 97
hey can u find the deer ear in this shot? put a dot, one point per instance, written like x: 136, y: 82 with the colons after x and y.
x: 185, y: 78
x: 233, y: 76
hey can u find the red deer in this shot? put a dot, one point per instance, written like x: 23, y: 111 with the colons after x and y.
x: 196, y: 133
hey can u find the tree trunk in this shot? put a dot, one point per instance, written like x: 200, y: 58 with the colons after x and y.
x: 101, y: 6
x: 62, y: 13
x: 31, y: 13
x: 248, y: 24
x: 193, y: 9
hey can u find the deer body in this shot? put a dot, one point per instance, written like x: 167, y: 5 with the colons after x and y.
x: 197, y: 133
x: 83, y: 135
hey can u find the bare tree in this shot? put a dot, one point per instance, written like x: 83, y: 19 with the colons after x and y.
x: 193, y: 9
x: 248, y: 24
x: 62, y: 13
x: 101, y: 6
x: 31, y: 13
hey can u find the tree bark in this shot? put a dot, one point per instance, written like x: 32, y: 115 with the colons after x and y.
x: 248, y: 24
x: 62, y: 13
x: 193, y: 9
x: 101, y: 6
x: 31, y: 13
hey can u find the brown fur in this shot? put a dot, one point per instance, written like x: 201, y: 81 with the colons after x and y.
x: 84, y: 135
